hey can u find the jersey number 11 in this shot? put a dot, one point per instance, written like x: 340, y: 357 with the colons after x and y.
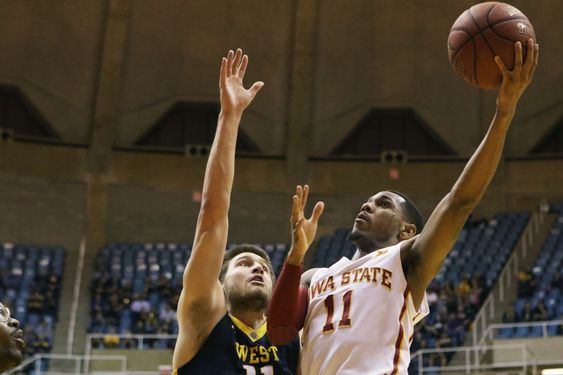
x: 345, y: 319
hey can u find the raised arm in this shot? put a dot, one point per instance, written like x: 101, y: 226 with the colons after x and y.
x: 423, y: 259
x: 202, y: 294
x: 288, y: 307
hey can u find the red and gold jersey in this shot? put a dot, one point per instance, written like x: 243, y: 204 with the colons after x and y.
x: 361, y: 317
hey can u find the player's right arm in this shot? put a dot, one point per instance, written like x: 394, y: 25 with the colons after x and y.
x: 202, y: 303
x: 288, y: 307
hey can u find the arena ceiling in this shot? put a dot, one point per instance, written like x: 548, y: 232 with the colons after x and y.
x: 120, y: 65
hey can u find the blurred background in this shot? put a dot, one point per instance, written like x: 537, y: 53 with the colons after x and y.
x: 108, y: 110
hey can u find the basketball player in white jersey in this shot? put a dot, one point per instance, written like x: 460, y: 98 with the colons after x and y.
x: 358, y: 315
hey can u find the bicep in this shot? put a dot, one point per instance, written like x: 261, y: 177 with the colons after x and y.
x: 204, y: 266
x: 437, y: 239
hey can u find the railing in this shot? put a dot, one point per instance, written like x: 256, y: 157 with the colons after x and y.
x: 139, y: 339
x: 526, y: 362
x: 76, y: 296
x: 506, y: 278
x: 490, y: 333
x: 80, y: 363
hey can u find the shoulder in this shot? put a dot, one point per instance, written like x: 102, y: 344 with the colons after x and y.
x: 409, y: 255
x: 307, y: 276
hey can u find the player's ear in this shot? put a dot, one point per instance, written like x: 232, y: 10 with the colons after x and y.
x: 407, y: 231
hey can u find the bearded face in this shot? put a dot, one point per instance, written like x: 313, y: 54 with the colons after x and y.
x: 248, y: 283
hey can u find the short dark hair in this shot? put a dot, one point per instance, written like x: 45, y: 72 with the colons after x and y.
x: 245, y: 248
x: 412, y: 214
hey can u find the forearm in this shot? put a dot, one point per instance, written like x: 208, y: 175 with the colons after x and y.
x: 481, y: 168
x: 288, y: 307
x: 219, y: 173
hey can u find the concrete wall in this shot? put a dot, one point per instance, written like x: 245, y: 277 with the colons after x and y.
x: 137, y: 360
x: 545, y: 350
x: 364, y: 54
x: 150, y: 195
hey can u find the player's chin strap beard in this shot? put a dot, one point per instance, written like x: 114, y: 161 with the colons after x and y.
x: 363, y: 243
x: 253, y: 302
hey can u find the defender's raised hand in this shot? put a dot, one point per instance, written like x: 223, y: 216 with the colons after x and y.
x: 515, y: 82
x: 234, y: 97
x: 303, y: 230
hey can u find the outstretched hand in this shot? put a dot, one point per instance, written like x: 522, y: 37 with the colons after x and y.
x: 234, y: 97
x: 303, y: 230
x: 515, y: 82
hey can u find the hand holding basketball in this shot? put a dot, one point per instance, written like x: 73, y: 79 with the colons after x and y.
x: 514, y: 82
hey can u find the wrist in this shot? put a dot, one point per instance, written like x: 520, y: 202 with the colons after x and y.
x: 294, y: 258
x: 230, y: 113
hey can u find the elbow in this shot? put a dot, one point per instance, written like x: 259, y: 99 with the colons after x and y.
x: 462, y: 202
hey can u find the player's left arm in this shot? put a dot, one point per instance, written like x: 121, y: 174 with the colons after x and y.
x: 423, y: 259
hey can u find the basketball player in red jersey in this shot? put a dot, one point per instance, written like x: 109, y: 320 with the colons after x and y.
x: 358, y: 315
x: 222, y: 307
x: 11, y: 340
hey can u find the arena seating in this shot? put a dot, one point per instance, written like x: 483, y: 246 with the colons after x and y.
x: 136, y: 288
x: 540, y: 290
x: 30, y: 283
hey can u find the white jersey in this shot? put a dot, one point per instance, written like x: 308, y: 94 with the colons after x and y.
x: 360, y: 318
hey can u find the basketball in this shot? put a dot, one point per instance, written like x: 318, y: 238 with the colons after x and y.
x: 482, y: 32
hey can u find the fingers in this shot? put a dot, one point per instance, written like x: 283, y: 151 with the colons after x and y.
x: 223, y: 72
x: 305, y: 196
x: 530, y: 52
x: 517, y: 58
x: 237, y: 60
x: 242, y: 67
x: 295, y: 210
x: 256, y: 87
x: 230, y: 59
x: 501, y: 66
x: 536, y: 57
x: 317, y: 211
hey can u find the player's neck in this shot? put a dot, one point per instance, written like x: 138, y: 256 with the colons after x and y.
x: 253, y: 319
x: 373, y: 246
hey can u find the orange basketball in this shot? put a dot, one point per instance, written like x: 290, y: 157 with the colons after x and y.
x: 482, y: 32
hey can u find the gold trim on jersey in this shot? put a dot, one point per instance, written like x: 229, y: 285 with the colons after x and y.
x: 175, y: 372
x: 253, y: 334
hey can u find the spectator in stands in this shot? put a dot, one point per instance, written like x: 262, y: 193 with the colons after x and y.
x: 139, y: 327
x: 113, y: 310
x: 111, y: 339
x: 456, y: 329
x: 42, y: 344
x: 44, y: 329
x: 98, y: 322
x: 540, y: 313
x: 36, y: 301
x: 126, y: 293
x: 432, y: 295
x: 140, y: 304
x: 557, y: 282
x: 12, y: 344
x: 526, y: 315
x: 464, y: 287
x: 166, y: 314
x: 164, y: 287
x: 526, y: 283
x: 128, y: 342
